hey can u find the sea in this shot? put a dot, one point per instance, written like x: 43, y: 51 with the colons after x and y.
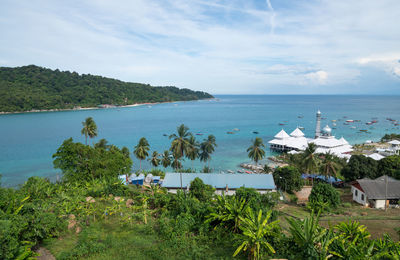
x: 28, y: 140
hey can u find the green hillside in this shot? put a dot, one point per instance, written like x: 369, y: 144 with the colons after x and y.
x: 34, y: 88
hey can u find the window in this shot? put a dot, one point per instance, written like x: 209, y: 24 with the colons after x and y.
x: 356, y: 193
x: 362, y: 196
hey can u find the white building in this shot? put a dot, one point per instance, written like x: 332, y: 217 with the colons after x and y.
x: 324, y: 141
x: 374, y: 193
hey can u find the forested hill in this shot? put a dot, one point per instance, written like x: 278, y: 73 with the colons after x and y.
x: 35, y: 88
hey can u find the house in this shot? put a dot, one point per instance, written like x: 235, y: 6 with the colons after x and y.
x: 374, y: 193
x: 224, y: 183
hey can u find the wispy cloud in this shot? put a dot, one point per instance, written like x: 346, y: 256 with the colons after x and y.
x: 218, y: 46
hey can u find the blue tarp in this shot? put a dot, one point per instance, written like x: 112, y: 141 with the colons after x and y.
x: 329, y: 179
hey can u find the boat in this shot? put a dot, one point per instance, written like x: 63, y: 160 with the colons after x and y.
x: 300, y: 116
x: 349, y: 121
x: 301, y: 128
x: 255, y: 132
x: 230, y: 133
x: 353, y: 127
x: 369, y: 123
x: 249, y: 172
x: 334, y: 124
x: 374, y: 121
x: 199, y: 134
x: 281, y: 124
x: 333, y: 120
x: 236, y: 129
x: 240, y: 171
x: 165, y: 135
x: 230, y: 171
x: 363, y: 130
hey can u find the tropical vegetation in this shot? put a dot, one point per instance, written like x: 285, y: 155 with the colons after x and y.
x: 35, y: 88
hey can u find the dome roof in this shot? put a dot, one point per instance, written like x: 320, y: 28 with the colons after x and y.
x: 327, y: 130
x: 319, y: 112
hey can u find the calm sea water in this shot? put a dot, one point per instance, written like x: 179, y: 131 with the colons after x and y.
x: 27, y: 141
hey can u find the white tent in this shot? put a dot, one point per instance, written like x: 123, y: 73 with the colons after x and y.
x: 376, y: 156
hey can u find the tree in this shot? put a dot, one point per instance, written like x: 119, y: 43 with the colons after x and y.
x: 141, y: 150
x: 390, y: 166
x: 102, y: 143
x: 256, y: 153
x: 288, y: 178
x: 310, y: 159
x: 323, y: 196
x: 155, y: 160
x: 256, y: 229
x: 126, y: 152
x: 89, y: 128
x: 193, y: 149
x: 80, y: 162
x: 180, y: 142
x: 166, y: 160
x: 176, y: 163
x: 207, y: 147
x: 201, y: 191
x: 329, y: 166
x: 360, y: 166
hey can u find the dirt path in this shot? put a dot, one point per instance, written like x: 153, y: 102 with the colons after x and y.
x: 44, y: 254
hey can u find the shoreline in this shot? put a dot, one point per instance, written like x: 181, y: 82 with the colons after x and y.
x: 106, y: 106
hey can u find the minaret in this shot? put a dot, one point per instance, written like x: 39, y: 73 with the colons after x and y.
x: 318, y: 126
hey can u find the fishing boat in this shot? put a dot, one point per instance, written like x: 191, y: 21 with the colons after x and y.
x: 165, y: 135
x: 349, y: 121
x: 363, y: 130
x: 255, y: 132
x: 199, y: 134
x: 301, y: 128
x: 230, y: 171
x: 230, y: 133
x: 369, y: 123
x: 281, y: 124
x: 300, y: 116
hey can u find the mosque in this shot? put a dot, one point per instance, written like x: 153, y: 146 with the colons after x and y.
x: 325, y: 142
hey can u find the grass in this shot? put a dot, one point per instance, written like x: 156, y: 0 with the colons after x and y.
x: 111, y: 240
x: 377, y: 221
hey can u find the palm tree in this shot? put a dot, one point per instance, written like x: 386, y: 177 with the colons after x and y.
x: 310, y: 159
x: 255, y: 151
x: 328, y: 166
x: 141, y: 150
x: 155, y: 160
x: 166, y: 160
x: 207, y: 148
x: 176, y: 163
x: 179, y: 145
x: 89, y: 128
x: 256, y: 229
x: 193, y: 149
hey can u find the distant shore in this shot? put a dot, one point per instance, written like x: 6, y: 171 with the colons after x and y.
x: 104, y: 106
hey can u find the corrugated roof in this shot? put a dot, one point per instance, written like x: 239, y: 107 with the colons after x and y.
x: 376, y: 189
x: 220, y: 180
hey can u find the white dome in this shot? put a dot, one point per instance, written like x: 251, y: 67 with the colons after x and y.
x: 319, y: 112
x: 327, y: 130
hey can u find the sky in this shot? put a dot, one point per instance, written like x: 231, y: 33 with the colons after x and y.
x: 217, y: 46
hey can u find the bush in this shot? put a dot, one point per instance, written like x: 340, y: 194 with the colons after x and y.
x: 288, y: 178
x: 323, y: 196
x: 201, y: 191
x: 256, y: 200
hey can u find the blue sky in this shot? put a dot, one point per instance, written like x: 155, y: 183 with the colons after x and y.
x: 222, y: 47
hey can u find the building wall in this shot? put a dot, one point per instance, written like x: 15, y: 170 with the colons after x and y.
x: 379, y: 204
x: 359, y: 196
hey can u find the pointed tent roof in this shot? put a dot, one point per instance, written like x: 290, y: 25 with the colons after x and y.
x: 343, y: 141
x: 297, y: 133
x: 281, y: 135
x: 395, y: 142
x: 376, y: 156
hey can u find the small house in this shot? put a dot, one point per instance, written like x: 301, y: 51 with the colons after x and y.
x: 376, y: 193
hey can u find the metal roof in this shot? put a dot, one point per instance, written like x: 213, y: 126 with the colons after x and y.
x: 220, y: 180
x: 376, y: 189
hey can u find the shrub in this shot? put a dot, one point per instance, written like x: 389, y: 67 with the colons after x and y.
x: 201, y: 191
x: 323, y: 196
x: 288, y: 178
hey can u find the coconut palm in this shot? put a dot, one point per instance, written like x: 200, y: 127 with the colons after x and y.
x: 166, y: 159
x: 179, y: 145
x: 207, y: 147
x: 310, y: 159
x: 193, y: 149
x: 141, y: 150
x: 155, y: 160
x: 256, y: 151
x: 89, y: 128
x: 329, y: 166
x: 256, y: 229
x: 176, y: 163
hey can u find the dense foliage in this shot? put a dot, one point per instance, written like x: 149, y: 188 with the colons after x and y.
x: 323, y: 197
x: 34, y: 88
x: 360, y: 166
x: 288, y: 178
x: 389, y: 137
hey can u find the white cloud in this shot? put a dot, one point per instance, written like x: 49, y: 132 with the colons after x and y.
x: 216, y: 46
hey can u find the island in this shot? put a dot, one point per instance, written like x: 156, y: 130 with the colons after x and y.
x: 34, y: 88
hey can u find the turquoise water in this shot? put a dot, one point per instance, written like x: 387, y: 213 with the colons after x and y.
x: 27, y: 141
